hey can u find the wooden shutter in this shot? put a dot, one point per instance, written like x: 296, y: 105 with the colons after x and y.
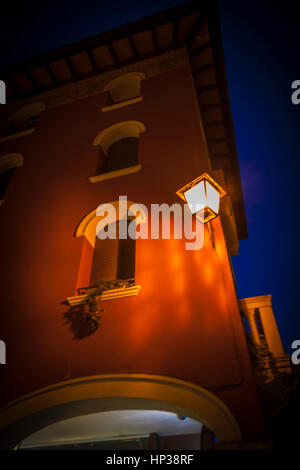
x: 126, y: 256
x: 113, y: 259
x: 105, y: 260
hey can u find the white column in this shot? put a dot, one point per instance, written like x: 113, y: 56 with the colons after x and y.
x: 268, y: 321
x: 271, y: 330
x: 250, y: 314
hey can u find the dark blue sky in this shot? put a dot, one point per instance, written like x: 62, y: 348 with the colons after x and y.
x: 262, y: 59
x: 260, y: 43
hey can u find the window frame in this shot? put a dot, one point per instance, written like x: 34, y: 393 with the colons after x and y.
x: 111, y: 135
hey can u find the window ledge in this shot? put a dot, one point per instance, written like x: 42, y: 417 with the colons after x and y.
x: 115, y: 173
x: 107, y: 295
x: 121, y: 104
x: 17, y: 134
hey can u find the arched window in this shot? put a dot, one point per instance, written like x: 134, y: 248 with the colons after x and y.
x: 118, y: 150
x: 8, y: 163
x: 125, y: 87
x: 109, y: 259
x: 21, y: 120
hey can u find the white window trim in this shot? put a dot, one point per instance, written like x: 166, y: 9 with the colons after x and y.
x: 106, y: 295
x: 111, y: 107
x: 115, y: 173
x: 16, y: 135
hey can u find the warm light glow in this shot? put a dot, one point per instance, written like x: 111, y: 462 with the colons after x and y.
x: 196, y: 197
x: 213, y: 198
x: 203, y: 197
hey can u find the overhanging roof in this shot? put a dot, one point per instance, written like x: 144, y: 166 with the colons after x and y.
x: 194, y: 25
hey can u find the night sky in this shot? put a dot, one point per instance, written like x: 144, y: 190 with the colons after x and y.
x: 261, y: 44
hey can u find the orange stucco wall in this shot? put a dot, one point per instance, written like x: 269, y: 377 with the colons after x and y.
x: 185, y: 321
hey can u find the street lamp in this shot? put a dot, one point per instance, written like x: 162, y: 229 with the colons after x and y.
x: 203, y: 197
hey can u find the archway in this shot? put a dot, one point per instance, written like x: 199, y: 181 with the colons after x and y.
x: 86, y: 395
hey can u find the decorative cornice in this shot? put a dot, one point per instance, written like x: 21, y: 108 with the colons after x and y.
x: 256, y: 302
x: 94, y: 85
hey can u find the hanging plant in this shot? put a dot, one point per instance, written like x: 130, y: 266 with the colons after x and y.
x: 84, y: 318
x: 262, y: 359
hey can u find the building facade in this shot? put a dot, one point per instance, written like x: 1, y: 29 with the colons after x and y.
x: 139, y: 112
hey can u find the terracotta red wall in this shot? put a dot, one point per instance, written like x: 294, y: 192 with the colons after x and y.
x: 185, y: 321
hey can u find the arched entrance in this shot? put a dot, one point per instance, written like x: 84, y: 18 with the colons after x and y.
x: 86, y: 395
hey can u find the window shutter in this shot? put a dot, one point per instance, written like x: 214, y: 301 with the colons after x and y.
x: 113, y: 259
x: 126, y: 257
x: 105, y: 260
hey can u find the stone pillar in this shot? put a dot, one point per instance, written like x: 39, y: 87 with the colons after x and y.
x: 268, y: 321
x: 270, y: 327
x: 250, y: 314
x: 264, y: 304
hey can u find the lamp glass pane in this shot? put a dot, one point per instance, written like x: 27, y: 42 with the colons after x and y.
x: 195, y: 197
x: 213, y: 198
